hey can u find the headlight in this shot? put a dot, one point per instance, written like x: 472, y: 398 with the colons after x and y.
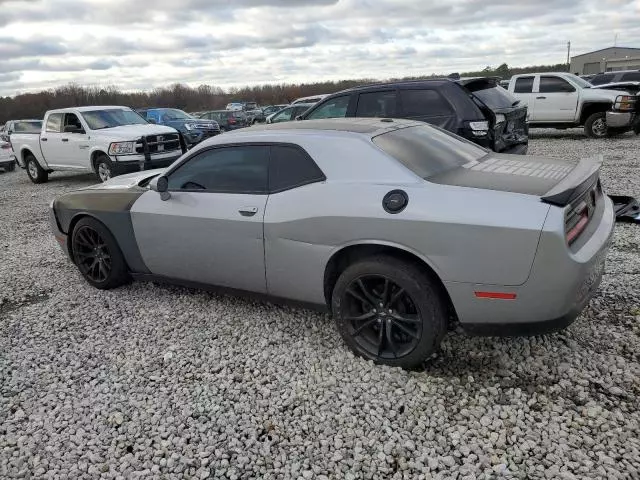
x: 190, y: 126
x: 122, y: 148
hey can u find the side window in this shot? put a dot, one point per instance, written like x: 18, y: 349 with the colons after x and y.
x: 241, y: 169
x: 555, y: 85
x: 332, y: 108
x: 54, y: 123
x: 283, y: 116
x: 601, y: 79
x: 417, y: 103
x: 377, y: 104
x: 631, y: 77
x: 524, y: 85
x: 71, y: 120
x: 291, y: 167
x: 153, y: 115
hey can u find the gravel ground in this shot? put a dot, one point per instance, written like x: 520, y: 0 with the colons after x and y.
x: 167, y: 382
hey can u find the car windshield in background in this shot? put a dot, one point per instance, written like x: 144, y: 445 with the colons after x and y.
x: 27, y: 127
x: 428, y: 151
x: 173, y: 114
x: 99, y: 119
x: 581, y: 81
x: 491, y: 95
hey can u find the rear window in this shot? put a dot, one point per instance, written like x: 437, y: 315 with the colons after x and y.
x: 27, y: 127
x: 424, y: 103
x: 493, y: 96
x: 239, y: 114
x: 427, y: 150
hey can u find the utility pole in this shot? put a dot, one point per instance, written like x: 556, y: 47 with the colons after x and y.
x: 568, y: 54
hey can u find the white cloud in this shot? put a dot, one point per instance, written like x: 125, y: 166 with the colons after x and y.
x: 127, y: 43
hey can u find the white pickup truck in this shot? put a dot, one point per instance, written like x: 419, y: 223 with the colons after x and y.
x: 562, y: 100
x: 107, y: 141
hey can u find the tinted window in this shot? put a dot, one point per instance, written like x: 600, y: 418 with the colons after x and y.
x: 291, y: 167
x: 283, y: 116
x: 71, y: 119
x: 428, y: 151
x: 54, y: 122
x: 333, y: 108
x: 231, y: 169
x: 377, y: 104
x: 299, y: 110
x: 417, y: 103
x: 631, y: 77
x: 602, y: 79
x: 555, y: 85
x: 524, y: 85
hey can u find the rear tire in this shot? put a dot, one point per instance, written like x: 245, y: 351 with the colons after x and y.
x: 97, y: 255
x: 36, y: 173
x: 104, y: 168
x: 389, y: 311
x: 596, y: 125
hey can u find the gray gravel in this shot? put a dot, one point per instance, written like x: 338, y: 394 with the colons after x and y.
x: 155, y: 381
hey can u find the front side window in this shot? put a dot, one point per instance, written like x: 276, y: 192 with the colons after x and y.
x: 291, y: 167
x: 240, y: 169
x: 332, y: 108
x: 54, y: 123
x: 424, y: 103
x: 113, y: 117
x: 71, y: 120
x: 377, y: 104
x: 524, y: 85
x: 555, y: 85
x: 283, y: 116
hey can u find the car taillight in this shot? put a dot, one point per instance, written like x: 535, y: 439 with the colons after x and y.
x: 579, y: 213
x: 479, y: 129
x: 232, y: 120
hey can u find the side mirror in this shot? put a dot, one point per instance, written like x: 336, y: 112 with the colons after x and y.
x: 152, y: 120
x: 160, y: 184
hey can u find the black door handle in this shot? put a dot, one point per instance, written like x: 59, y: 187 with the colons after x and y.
x: 541, y: 98
x: 65, y: 139
x: 43, y: 139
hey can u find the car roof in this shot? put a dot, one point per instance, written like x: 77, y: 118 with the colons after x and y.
x: 90, y: 108
x: 367, y: 126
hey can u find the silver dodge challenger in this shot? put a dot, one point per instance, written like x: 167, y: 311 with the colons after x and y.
x: 402, y: 230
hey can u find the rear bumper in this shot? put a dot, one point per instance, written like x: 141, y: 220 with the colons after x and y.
x: 559, y: 287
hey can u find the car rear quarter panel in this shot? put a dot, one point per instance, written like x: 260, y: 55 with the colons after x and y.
x: 464, y: 234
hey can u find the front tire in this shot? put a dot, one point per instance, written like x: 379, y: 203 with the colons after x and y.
x: 596, y: 125
x: 104, y: 168
x: 97, y: 255
x: 389, y: 311
x: 36, y: 173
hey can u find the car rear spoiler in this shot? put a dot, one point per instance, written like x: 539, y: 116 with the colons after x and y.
x: 578, y: 181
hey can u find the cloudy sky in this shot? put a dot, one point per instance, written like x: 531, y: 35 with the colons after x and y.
x: 141, y: 44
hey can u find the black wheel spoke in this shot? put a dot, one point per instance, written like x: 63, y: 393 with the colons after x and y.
x: 389, y: 334
x: 406, y: 318
x: 359, y: 318
x: 103, y: 270
x: 364, y: 326
x: 380, y: 340
x: 385, y: 291
x: 356, y: 295
x: 395, y: 297
x: 372, y: 299
x: 406, y: 330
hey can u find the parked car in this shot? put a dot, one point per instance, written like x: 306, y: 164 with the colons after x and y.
x: 615, y: 77
x: 289, y: 113
x: 477, y: 109
x: 234, y: 106
x: 311, y: 99
x: 255, y: 116
x: 564, y: 100
x: 192, y: 130
x: 400, y: 228
x: 7, y: 158
x: 227, y: 119
x: 107, y: 141
x: 273, y: 109
x: 19, y: 126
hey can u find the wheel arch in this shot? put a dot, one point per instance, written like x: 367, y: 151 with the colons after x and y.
x: 94, y: 157
x: 589, y: 108
x: 349, y: 254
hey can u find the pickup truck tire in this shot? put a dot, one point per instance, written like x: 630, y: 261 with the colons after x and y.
x: 596, y: 125
x: 104, y: 167
x: 97, y: 255
x: 36, y: 173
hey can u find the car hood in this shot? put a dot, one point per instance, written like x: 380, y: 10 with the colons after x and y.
x: 129, y: 180
x: 598, y: 93
x: 133, y: 132
x: 529, y: 175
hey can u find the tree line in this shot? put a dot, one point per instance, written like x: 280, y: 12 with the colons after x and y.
x: 204, y: 97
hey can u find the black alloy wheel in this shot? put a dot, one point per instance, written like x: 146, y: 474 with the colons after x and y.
x: 92, y: 254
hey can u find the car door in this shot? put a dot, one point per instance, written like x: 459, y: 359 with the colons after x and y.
x: 210, y: 230
x: 51, y: 140
x: 427, y: 105
x: 556, y: 100
x: 74, y: 142
x: 523, y: 91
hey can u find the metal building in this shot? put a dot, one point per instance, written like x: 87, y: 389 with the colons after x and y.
x: 606, y: 60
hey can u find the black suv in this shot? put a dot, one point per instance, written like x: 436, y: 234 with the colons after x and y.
x: 478, y: 109
x: 615, y: 77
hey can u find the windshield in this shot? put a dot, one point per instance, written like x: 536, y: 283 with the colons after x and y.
x: 99, y: 119
x: 427, y: 150
x: 493, y: 96
x: 27, y: 127
x: 175, y: 114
